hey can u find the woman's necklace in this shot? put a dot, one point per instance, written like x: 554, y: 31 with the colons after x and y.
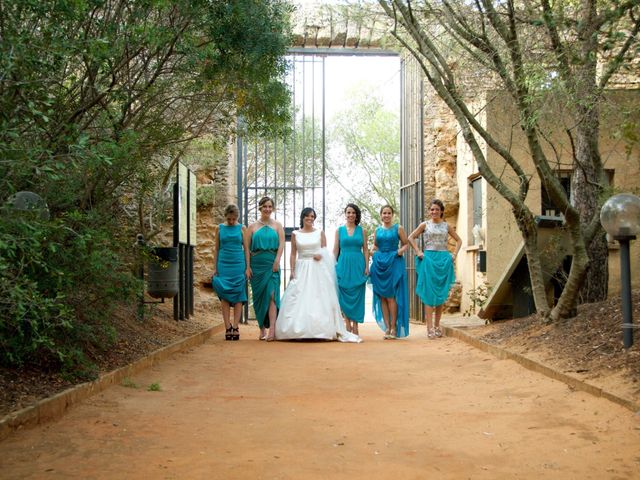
x: 267, y: 223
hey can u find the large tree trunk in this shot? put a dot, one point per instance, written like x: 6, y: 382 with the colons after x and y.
x: 588, y: 177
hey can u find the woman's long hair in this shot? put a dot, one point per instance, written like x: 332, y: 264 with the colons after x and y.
x: 306, y: 211
x: 357, y: 210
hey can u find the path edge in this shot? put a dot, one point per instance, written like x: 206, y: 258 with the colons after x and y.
x: 537, y: 367
x: 54, y: 407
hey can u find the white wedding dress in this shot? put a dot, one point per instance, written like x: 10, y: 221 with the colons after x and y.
x: 309, y: 307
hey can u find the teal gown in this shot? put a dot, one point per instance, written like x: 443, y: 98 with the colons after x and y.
x: 435, y: 270
x: 265, y: 283
x: 389, y: 279
x: 352, y: 281
x: 230, y: 281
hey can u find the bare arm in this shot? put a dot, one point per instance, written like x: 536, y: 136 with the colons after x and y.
x: 292, y: 257
x: 365, y: 251
x: 248, y: 234
x: 336, y: 245
x: 411, y: 239
x: 216, y: 249
x: 457, y: 238
x: 403, y: 240
x: 276, y: 262
x: 374, y: 247
x: 247, y: 255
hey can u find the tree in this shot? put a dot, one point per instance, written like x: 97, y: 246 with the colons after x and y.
x: 532, y: 50
x: 98, y: 100
x: 365, y: 145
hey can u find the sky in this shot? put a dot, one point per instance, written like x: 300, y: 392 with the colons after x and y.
x: 343, y: 73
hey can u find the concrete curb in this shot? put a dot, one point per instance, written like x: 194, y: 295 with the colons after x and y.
x: 54, y: 407
x: 540, y: 368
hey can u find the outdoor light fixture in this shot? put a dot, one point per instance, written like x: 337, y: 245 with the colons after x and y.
x: 620, y: 217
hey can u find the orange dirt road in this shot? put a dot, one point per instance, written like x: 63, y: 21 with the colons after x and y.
x: 404, y: 409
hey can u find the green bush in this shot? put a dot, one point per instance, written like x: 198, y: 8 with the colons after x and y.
x: 59, y: 282
x: 99, y: 102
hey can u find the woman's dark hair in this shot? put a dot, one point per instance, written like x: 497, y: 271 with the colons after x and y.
x: 357, y: 210
x: 264, y: 200
x: 231, y: 209
x: 387, y: 206
x: 439, y: 203
x: 306, y: 211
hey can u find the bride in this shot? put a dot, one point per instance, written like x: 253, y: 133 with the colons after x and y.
x: 309, y: 307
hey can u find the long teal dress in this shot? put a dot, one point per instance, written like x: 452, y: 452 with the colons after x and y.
x: 352, y: 281
x: 435, y: 270
x: 389, y: 279
x: 265, y: 283
x: 230, y: 281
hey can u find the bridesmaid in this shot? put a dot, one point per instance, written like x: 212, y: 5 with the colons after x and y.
x: 435, y: 265
x: 389, y: 277
x: 265, y: 241
x: 352, y: 269
x: 230, y: 261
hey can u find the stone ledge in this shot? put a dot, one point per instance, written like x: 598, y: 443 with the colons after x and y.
x: 529, y: 364
x: 54, y: 407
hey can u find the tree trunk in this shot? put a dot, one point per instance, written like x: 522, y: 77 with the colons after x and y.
x: 589, y: 177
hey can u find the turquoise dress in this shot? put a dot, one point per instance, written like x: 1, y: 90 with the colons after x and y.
x: 389, y: 279
x: 265, y: 283
x: 230, y: 282
x: 435, y: 269
x: 352, y: 281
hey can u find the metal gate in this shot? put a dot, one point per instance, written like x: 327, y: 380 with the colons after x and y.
x: 411, y: 167
x: 291, y: 171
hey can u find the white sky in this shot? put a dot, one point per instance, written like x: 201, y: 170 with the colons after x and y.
x: 343, y: 73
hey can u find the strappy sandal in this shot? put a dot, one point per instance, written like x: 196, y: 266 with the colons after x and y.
x: 236, y: 334
x: 392, y: 334
x: 228, y: 333
x: 438, y: 332
x: 386, y: 334
x: 431, y: 334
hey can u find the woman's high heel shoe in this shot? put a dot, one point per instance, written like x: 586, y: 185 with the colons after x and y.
x: 236, y: 334
x: 228, y: 333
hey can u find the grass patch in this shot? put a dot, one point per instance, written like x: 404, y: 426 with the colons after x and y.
x: 127, y: 382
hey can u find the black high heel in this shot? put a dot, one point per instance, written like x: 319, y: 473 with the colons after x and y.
x: 228, y: 333
x: 236, y: 334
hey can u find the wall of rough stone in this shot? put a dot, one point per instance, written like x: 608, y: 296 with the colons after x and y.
x: 440, y: 167
x: 219, y: 176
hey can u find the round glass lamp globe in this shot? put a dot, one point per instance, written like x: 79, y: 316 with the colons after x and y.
x: 620, y: 215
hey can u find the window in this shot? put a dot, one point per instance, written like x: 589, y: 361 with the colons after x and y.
x: 477, y: 209
x: 548, y: 208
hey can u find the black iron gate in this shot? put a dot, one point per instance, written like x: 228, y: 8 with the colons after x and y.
x: 290, y: 171
x: 411, y: 166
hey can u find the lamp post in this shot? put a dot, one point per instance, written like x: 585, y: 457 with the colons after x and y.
x: 620, y: 217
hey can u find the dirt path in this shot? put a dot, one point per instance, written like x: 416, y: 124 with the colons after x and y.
x: 409, y: 409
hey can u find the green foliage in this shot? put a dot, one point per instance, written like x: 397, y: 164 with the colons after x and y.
x: 154, y: 387
x: 129, y: 383
x: 59, y: 282
x: 206, y: 196
x: 369, y: 136
x: 98, y: 100
x: 478, y: 296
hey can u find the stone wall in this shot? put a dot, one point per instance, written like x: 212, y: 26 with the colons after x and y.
x: 440, y: 168
x: 214, y: 182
